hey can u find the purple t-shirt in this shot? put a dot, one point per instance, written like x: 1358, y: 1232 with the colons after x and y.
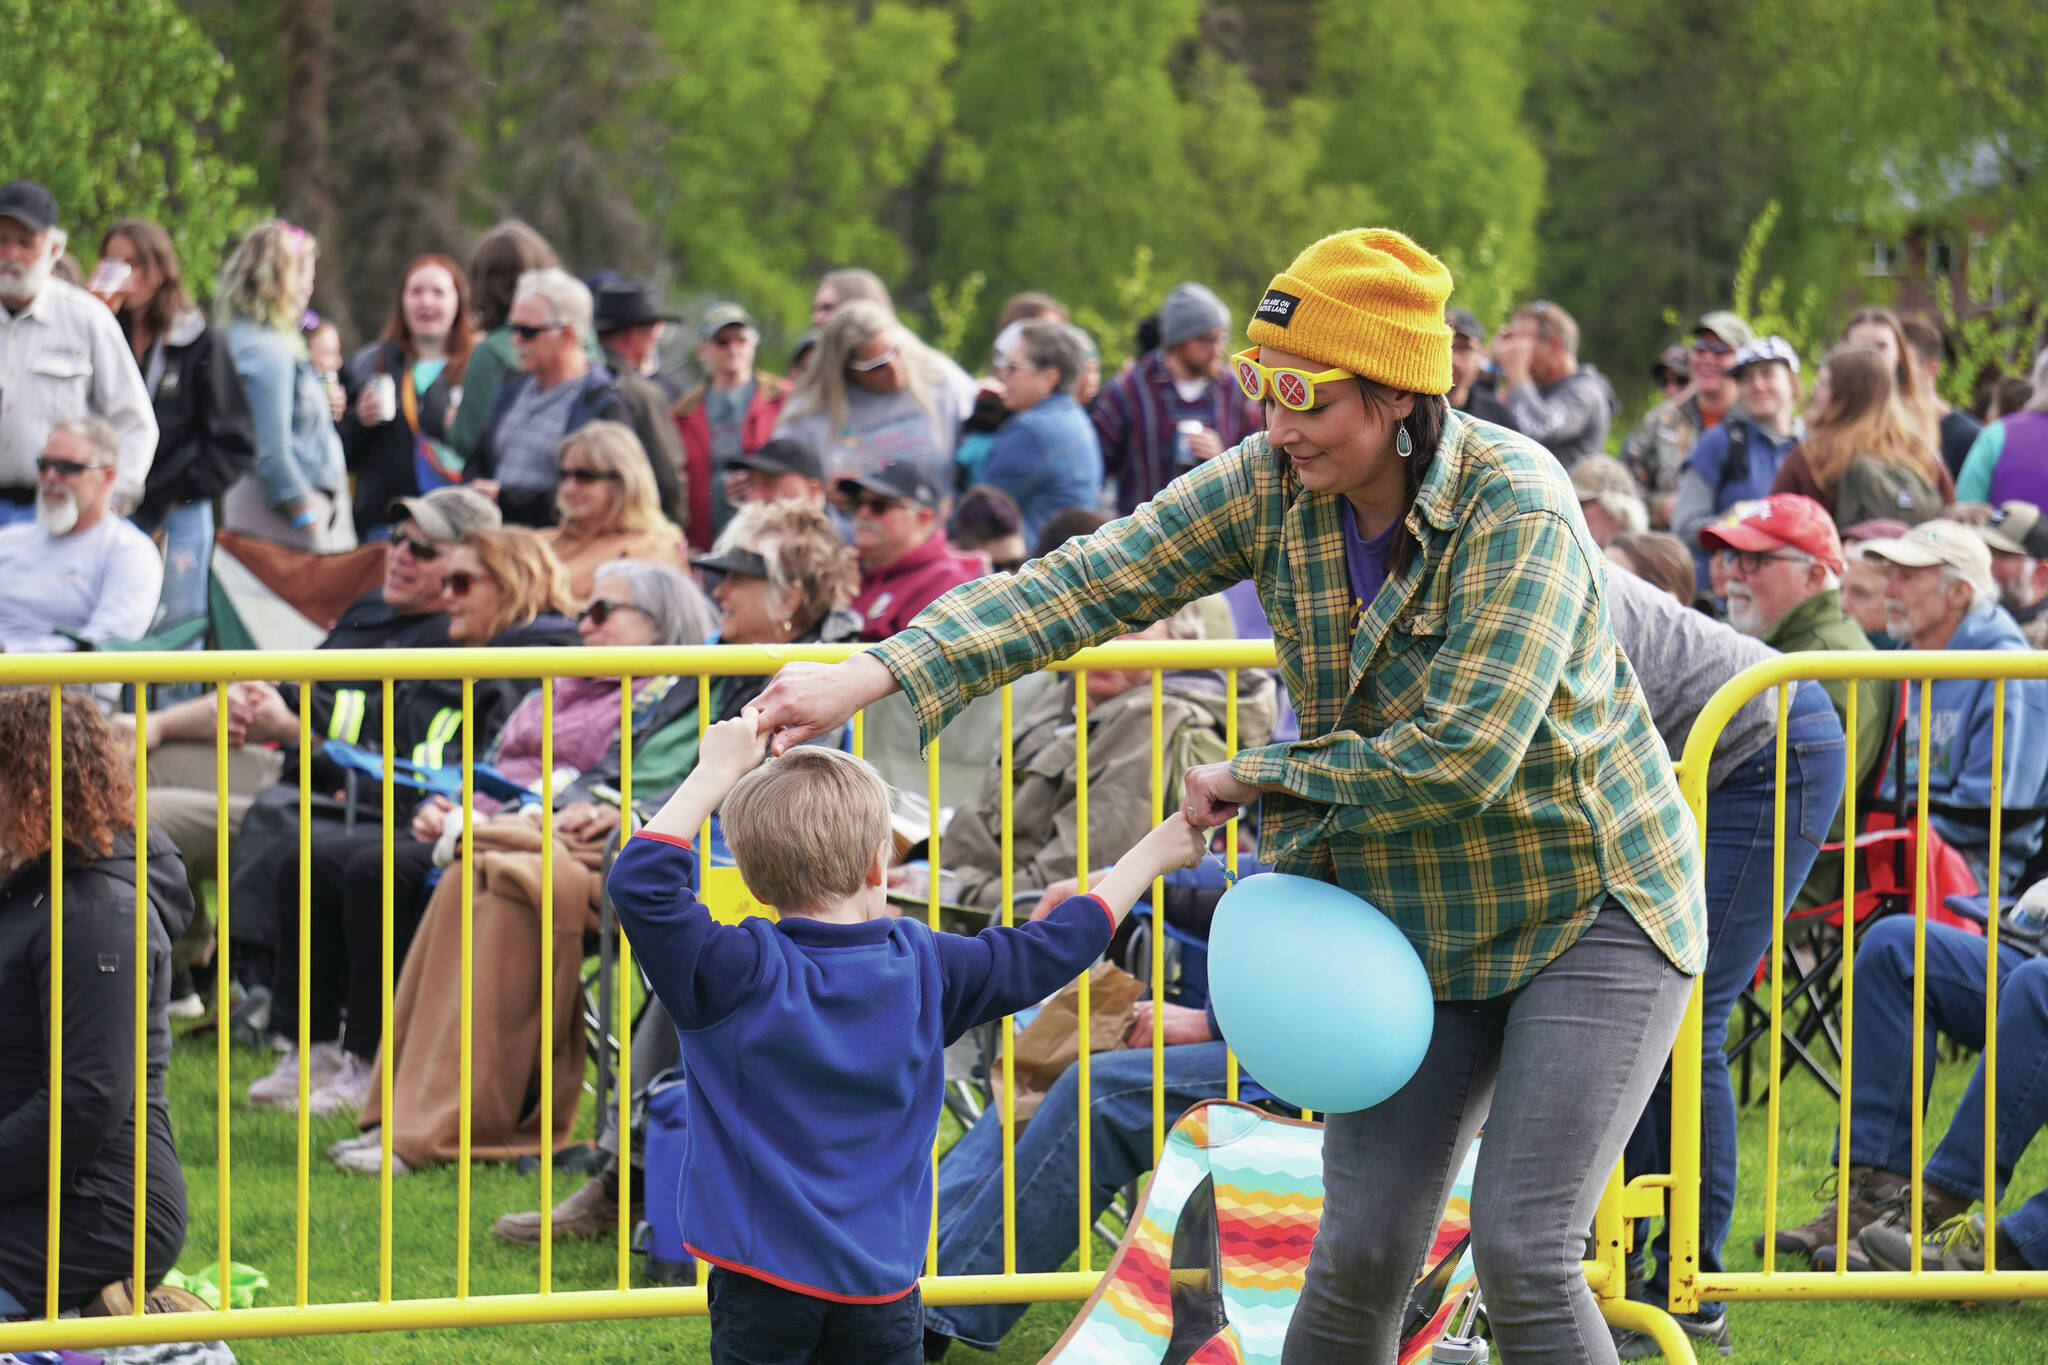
x: 1366, y: 560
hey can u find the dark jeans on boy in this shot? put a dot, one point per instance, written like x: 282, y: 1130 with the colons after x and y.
x: 757, y: 1323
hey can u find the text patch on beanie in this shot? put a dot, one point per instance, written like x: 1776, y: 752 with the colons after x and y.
x: 1278, y: 307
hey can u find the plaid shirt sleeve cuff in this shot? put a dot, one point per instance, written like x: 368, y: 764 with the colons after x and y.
x: 926, y: 676
x: 1265, y: 767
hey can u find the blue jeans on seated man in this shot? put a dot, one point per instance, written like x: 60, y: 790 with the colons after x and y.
x: 1048, y: 1173
x: 1740, y: 915
x: 1881, y: 1083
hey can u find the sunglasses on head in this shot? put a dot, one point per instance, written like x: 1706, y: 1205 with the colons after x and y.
x: 526, y: 333
x: 423, y: 551
x: 458, y: 583
x: 590, y: 476
x: 1294, y: 390
x: 63, y: 469
x: 599, y: 611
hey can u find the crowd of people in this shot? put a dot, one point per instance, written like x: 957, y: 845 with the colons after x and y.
x: 538, y: 476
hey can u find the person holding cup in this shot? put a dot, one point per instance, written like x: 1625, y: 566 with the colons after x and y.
x: 206, y: 434
x: 403, y: 391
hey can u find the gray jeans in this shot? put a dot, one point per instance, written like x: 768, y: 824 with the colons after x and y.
x: 1558, y: 1071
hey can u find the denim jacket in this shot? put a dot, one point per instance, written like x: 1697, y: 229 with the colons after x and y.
x: 297, y: 446
x: 1047, y: 458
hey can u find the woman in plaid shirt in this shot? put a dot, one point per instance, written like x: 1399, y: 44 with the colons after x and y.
x: 1476, y: 760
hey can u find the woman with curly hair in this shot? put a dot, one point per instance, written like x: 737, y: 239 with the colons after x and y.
x: 98, y: 1129
x: 296, y: 494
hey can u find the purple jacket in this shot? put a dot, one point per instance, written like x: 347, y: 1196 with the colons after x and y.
x: 1136, y: 416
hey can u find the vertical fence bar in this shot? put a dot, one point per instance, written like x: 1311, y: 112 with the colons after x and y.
x: 56, y: 1173
x: 389, y: 967
x: 625, y: 994
x: 1082, y: 1001
x: 1773, y: 1097
x: 1991, y: 980
x: 1009, y: 1024
x: 1230, y: 1081
x: 221, y: 933
x: 468, y: 1005
x: 931, y: 911
x: 1158, y: 925
x: 860, y: 731
x: 140, y: 1155
x: 1842, y: 1116
x: 703, y: 724
x: 547, y: 983
x: 305, y: 988
x: 1915, y: 1214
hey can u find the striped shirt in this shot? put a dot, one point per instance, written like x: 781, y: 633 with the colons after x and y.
x: 1477, y: 760
x: 1137, y: 417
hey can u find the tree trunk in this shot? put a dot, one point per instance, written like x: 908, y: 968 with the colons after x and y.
x: 307, y: 185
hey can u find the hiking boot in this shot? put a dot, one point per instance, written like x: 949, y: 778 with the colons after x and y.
x: 592, y: 1212
x: 1872, y: 1194
x: 117, y: 1301
x: 280, y: 1089
x: 1937, y: 1206
x: 1957, y: 1244
x: 1631, y: 1345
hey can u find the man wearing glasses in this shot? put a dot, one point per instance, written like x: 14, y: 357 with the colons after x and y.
x: 76, y: 573
x: 1656, y: 451
x: 906, y: 562
x: 1561, y: 404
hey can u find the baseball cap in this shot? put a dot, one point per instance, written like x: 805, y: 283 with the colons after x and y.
x: 1462, y: 323
x: 899, y: 479
x: 29, y: 204
x: 1766, y: 348
x: 1940, y: 541
x: 1783, y: 519
x: 733, y: 559
x: 2015, y: 528
x: 1723, y: 324
x: 447, y: 514
x: 1876, y: 528
x: 1596, y: 475
x: 721, y: 316
x: 1676, y: 359
x: 783, y: 456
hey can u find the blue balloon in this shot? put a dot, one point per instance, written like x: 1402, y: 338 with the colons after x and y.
x: 1321, y: 997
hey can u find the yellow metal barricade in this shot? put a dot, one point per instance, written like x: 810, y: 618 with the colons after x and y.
x: 304, y: 1312
x: 1690, y: 1285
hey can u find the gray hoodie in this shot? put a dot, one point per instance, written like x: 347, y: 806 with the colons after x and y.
x: 1568, y: 418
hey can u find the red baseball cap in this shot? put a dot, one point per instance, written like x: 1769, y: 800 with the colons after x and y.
x: 1782, y: 519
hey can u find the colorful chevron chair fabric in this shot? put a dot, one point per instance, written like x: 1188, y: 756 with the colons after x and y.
x: 1211, y: 1266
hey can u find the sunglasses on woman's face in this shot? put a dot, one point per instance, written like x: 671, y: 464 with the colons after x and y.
x: 458, y: 583
x: 590, y: 476
x: 424, y: 551
x: 887, y: 357
x: 599, y: 611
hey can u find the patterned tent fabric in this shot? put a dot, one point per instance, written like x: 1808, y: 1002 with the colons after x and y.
x: 1211, y: 1267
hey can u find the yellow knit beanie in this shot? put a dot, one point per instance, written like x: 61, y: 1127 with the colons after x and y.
x: 1369, y: 301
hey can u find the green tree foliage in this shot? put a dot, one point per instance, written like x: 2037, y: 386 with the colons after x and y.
x: 1427, y: 113
x: 118, y: 106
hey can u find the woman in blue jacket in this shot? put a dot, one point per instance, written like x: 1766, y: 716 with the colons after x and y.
x: 1046, y: 456
x: 296, y: 494
x: 1737, y: 460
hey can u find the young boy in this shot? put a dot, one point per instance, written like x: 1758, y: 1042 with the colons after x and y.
x: 814, y: 1045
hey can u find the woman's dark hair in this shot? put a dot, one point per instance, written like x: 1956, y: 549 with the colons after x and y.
x: 1425, y: 427
x: 985, y: 515
x: 2009, y: 395
x: 1661, y: 560
x: 1064, y: 525
x: 503, y: 254
x: 99, y: 797
x: 153, y: 247
x: 1148, y: 333
x: 460, y: 338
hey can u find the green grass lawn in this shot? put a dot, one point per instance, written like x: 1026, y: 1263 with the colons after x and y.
x: 344, y: 1241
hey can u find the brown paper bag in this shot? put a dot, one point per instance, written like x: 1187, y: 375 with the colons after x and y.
x: 1052, y: 1041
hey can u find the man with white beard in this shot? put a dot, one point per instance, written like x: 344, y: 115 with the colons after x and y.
x: 77, y: 572
x: 62, y: 356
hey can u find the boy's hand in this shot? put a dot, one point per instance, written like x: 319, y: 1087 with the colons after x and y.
x: 733, y: 747
x: 1173, y: 844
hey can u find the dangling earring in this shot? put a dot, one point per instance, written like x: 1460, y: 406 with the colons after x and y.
x: 1403, y: 446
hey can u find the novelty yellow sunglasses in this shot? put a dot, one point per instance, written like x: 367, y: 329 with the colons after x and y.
x: 1291, y: 389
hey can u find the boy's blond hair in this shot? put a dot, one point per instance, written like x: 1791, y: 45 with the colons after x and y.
x: 804, y: 827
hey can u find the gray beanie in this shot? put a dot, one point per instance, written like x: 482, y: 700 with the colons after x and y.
x: 1191, y: 310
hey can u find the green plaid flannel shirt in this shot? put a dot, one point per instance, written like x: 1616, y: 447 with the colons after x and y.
x: 1477, y: 760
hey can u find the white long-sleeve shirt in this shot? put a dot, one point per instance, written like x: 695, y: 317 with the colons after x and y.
x: 63, y: 357
x: 101, y: 583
